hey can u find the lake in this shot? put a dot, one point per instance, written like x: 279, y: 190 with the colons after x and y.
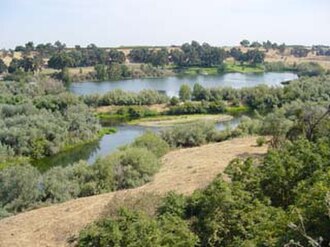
x: 171, y: 85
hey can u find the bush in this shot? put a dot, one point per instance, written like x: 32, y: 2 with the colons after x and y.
x: 261, y: 141
x: 145, y: 97
x: 19, y: 188
x: 128, y: 168
x: 173, y: 204
x: 136, y: 112
x: 134, y: 167
x: 189, y: 135
x: 59, y: 185
x: 198, y: 108
x: 310, y: 69
x: 174, y: 101
x: 188, y: 108
x: 153, y: 143
x: 137, y: 229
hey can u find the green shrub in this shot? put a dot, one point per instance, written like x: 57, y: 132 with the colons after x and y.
x: 145, y: 97
x: 127, y: 168
x: 134, y: 167
x: 173, y: 204
x: 130, y: 229
x: 174, y: 101
x: 261, y: 141
x: 19, y: 188
x: 152, y: 142
x: 310, y: 69
x: 134, y: 112
x: 198, y: 108
x: 59, y: 185
x: 137, y: 229
x: 189, y: 135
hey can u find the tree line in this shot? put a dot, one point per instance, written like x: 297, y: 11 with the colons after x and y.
x: 187, y: 55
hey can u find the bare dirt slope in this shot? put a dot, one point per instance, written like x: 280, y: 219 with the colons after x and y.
x: 183, y: 171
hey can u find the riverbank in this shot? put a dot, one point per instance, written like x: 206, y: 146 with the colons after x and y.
x: 167, y: 121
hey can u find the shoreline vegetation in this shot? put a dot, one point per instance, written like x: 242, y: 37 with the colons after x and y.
x: 167, y: 121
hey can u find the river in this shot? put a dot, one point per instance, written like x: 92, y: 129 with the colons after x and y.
x: 126, y: 134
x: 171, y: 85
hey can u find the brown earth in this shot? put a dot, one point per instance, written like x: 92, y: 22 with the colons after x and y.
x: 183, y: 171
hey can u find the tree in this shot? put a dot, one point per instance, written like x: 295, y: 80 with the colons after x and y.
x: 59, y: 46
x: 236, y: 53
x: 159, y: 57
x: 299, y: 52
x: 20, y: 48
x: 27, y: 64
x: 139, y: 55
x: 60, y: 61
x: 245, y: 43
x: 178, y: 57
x: 276, y: 125
x: 3, y: 66
x: 185, y: 92
x: 37, y: 63
x: 200, y: 93
x: 255, y: 57
x: 116, y: 56
x: 101, y: 72
x: 29, y: 46
x: 255, y: 44
x: 282, y: 48
x: 14, y: 65
x: 114, y: 71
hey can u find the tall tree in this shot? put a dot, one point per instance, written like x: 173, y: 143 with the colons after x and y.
x: 3, y: 66
x: 245, y: 43
x: 185, y: 92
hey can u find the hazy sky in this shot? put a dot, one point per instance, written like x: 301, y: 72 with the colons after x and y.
x: 163, y: 22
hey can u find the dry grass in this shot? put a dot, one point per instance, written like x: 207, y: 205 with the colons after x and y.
x: 275, y: 56
x: 81, y: 70
x: 183, y: 171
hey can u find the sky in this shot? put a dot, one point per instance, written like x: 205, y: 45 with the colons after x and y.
x: 110, y: 23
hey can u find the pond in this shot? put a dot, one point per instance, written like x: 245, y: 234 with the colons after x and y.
x: 108, y: 144
x: 171, y: 85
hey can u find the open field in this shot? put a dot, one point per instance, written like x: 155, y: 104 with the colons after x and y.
x: 181, y: 119
x: 183, y: 171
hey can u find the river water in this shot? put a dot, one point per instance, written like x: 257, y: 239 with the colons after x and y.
x: 171, y: 85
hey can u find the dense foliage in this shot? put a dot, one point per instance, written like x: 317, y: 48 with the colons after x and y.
x: 120, y: 97
x: 40, y: 119
x: 190, y: 135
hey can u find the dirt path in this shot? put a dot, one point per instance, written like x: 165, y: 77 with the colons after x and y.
x: 184, y: 171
